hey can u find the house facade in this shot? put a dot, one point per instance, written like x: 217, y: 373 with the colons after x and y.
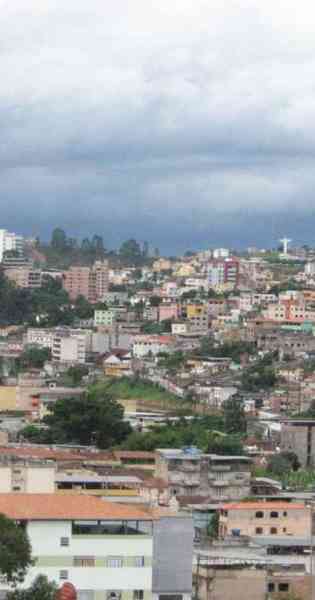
x: 107, y: 551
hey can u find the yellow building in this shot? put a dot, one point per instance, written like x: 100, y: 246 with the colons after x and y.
x: 185, y: 270
x: 8, y: 398
x: 196, y: 310
x: 162, y: 264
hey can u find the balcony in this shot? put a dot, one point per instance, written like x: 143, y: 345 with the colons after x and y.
x: 188, y: 468
x: 221, y: 483
x: 191, y: 481
x: 216, y: 468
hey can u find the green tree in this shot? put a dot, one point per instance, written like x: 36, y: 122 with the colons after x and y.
x: 283, y: 463
x: 33, y: 358
x: 58, y: 239
x: 234, y: 415
x: 15, y: 551
x: 92, y: 418
x: 130, y: 250
x: 224, y: 445
x: 41, y: 589
x: 76, y: 373
x: 213, y: 526
x: 83, y: 309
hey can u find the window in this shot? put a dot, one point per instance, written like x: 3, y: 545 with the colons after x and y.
x: 283, y: 587
x: 113, y: 595
x: 273, y: 530
x: 63, y: 574
x: 139, y: 561
x: 271, y: 587
x: 138, y: 595
x: 274, y: 514
x: 114, y: 561
x: 64, y: 541
x: 259, y: 530
x: 16, y: 488
x: 285, y: 514
x: 284, y: 530
x: 259, y: 514
x: 84, y: 561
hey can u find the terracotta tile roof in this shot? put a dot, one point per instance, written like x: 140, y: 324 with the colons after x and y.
x: 136, y: 454
x: 263, y: 506
x: 66, y: 507
x: 53, y: 454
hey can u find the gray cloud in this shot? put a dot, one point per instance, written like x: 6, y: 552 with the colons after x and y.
x: 181, y: 122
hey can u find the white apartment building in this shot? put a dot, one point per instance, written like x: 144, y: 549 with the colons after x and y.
x: 69, y: 346
x: 10, y: 241
x: 107, y: 551
x: 221, y: 253
x: 40, y: 337
x: 145, y: 345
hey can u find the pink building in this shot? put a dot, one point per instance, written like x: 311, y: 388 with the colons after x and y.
x: 90, y: 282
x: 169, y: 311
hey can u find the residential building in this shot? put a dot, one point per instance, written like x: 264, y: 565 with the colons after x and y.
x: 188, y: 472
x: 69, y: 346
x: 25, y: 277
x: 221, y: 253
x: 151, y: 313
x: 26, y: 476
x: 118, y: 363
x: 234, y: 571
x: 223, y: 272
x: 104, y: 318
x: 169, y: 310
x: 145, y: 345
x: 10, y: 241
x: 112, y: 297
x: 198, y: 316
x: 107, y: 551
x: 90, y: 282
x: 42, y: 337
x: 254, y: 519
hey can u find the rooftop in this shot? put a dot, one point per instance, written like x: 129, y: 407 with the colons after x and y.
x: 263, y: 506
x: 51, y: 507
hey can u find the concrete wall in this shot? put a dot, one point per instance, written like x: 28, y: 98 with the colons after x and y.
x: 230, y: 584
x: 301, y: 440
x: 8, y: 397
x: 172, y: 552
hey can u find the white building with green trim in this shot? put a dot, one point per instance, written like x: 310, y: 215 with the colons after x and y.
x: 107, y: 551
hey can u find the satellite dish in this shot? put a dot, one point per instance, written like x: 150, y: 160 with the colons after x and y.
x: 67, y: 592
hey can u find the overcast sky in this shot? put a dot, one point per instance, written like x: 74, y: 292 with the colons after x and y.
x: 186, y: 123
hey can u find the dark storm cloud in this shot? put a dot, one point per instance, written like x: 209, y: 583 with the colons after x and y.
x: 185, y: 123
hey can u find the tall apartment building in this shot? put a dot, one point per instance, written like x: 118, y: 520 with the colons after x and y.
x: 223, y: 273
x: 107, y: 551
x: 69, y: 346
x: 25, y: 277
x: 90, y: 282
x: 10, y: 241
x: 188, y: 472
